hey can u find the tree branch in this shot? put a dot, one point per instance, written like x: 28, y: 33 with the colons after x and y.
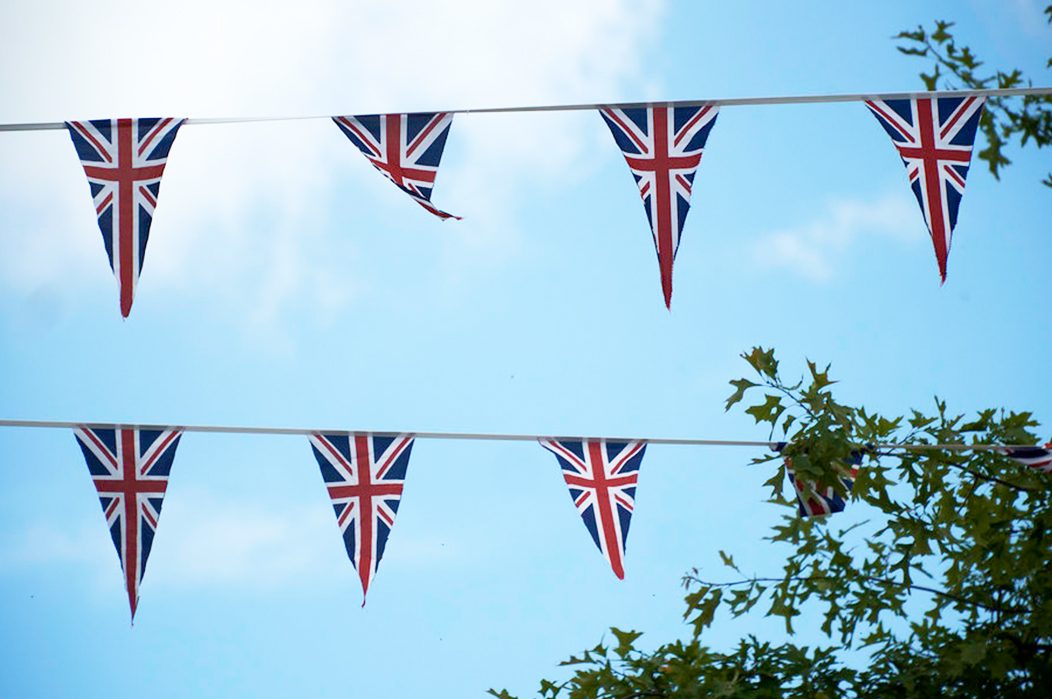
x: 993, y: 479
x: 868, y: 578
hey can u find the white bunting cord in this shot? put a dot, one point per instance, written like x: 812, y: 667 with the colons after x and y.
x: 476, y: 436
x: 727, y: 102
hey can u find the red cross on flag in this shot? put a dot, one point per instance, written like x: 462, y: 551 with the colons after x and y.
x: 406, y: 148
x: 130, y: 470
x: 934, y: 138
x: 124, y: 160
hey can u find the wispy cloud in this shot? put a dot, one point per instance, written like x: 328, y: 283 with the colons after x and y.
x: 207, y: 540
x: 815, y: 249
x: 1030, y: 17
x: 43, y: 543
x: 242, y: 209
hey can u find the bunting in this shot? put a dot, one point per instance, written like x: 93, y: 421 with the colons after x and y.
x: 602, y: 479
x: 1036, y: 458
x: 130, y: 470
x: 822, y: 501
x: 934, y: 138
x: 405, y: 148
x: 124, y: 160
x: 364, y: 475
x: 663, y: 147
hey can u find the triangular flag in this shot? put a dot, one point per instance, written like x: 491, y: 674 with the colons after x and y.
x: 406, y: 148
x: 602, y: 479
x: 124, y: 160
x: 821, y: 501
x: 364, y: 474
x: 130, y: 470
x: 934, y: 137
x: 1037, y: 458
x: 663, y: 147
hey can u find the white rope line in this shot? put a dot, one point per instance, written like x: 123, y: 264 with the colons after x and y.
x: 475, y: 436
x: 724, y: 102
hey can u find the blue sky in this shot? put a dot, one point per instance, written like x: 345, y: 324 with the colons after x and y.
x: 287, y: 284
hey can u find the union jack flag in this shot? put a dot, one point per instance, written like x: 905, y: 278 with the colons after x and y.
x: 124, y: 160
x: 821, y: 501
x: 406, y: 148
x: 934, y: 137
x: 602, y: 479
x: 130, y: 470
x: 663, y: 147
x: 1036, y: 458
x: 364, y: 474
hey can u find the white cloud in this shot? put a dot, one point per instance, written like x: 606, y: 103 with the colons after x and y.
x: 214, y: 542
x: 1030, y: 17
x: 815, y: 248
x: 43, y: 543
x: 242, y: 207
x: 208, y: 540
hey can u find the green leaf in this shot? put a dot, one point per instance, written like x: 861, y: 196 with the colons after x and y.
x: 625, y: 640
x: 917, y: 35
x: 940, y: 35
x: 762, y: 361
x: 728, y: 560
x: 973, y: 652
x: 820, y: 379
x: 740, y: 386
x: 769, y: 411
x: 705, y: 611
x: 931, y: 80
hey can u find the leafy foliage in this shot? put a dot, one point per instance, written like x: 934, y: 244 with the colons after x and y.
x: 945, y: 590
x: 956, y: 67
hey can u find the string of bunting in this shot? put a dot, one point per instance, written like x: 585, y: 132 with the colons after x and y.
x: 662, y: 143
x: 364, y: 473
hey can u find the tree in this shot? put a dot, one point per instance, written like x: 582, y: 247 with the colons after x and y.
x: 956, y: 67
x: 946, y: 590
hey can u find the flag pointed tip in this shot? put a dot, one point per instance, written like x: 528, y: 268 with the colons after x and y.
x: 922, y: 125
x: 665, y: 264
x: 132, y: 191
x: 134, y: 465
x: 663, y: 146
x: 126, y: 305
x: 408, y: 156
